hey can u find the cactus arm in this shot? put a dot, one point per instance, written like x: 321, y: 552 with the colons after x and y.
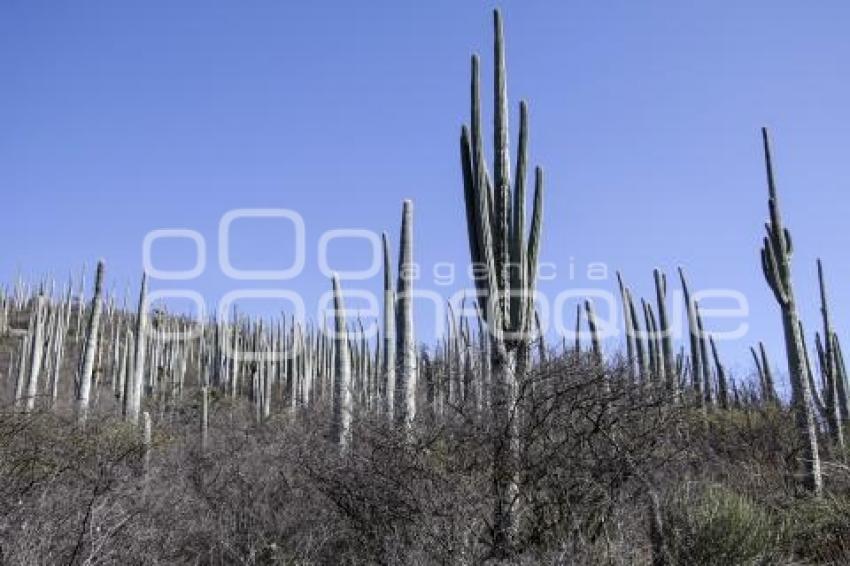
x: 501, y: 167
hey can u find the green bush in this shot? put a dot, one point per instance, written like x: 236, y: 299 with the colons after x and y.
x: 713, y: 525
x: 818, y: 530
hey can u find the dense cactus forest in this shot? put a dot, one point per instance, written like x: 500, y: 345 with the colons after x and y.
x: 134, y: 435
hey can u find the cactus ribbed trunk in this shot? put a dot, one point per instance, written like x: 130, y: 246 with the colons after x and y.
x: 769, y: 390
x: 631, y: 345
x: 593, y: 327
x: 834, y: 389
x: 85, y: 382
x: 405, y: 397
x: 722, y: 387
x: 693, y: 332
x: 23, y: 354
x: 36, y: 351
x: 670, y: 374
x: 342, y: 401
x: 841, y: 375
x: 146, y: 444
x: 706, y: 363
x: 133, y: 396
x: 503, y: 394
x: 641, y: 346
x: 389, y: 361
x: 776, y: 264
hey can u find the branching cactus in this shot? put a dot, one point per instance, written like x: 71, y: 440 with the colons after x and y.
x: 342, y: 402
x: 85, y: 382
x: 505, y: 264
x: 776, y: 264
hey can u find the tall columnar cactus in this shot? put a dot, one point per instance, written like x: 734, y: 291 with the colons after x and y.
x: 342, y: 401
x: 505, y: 263
x: 810, y: 377
x: 768, y: 388
x: 776, y: 264
x: 841, y: 374
x: 20, y: 383
x: 703, y: 352
x: 85, y: 380
x: 835, y: 395
x: 388, y: 362
x: 722, y: 386
x: 651, y: 344
x: 146, y: 444
x: 133, y: 393
x: 405, y: 397
x: 641, y: 345
x: 593, y: 326
x: 670, y: 375
x: 629, y: 328
x: 693, y: 326
x: 58, y: 348
x: 577, y: 334
x: 36, y: 350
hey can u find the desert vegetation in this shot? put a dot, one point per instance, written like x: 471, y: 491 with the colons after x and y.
x: 131, y: 435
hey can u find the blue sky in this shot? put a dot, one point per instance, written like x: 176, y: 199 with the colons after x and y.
x: 117, y: 118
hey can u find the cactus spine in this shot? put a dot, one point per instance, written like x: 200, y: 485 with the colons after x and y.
x: 776, y: 264
x: 85, y: 381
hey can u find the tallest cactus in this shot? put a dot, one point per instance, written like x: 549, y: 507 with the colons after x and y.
x: 505, y: 266
x: 776, y: 263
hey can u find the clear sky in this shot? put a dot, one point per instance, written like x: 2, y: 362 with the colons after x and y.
x: 117, y: 118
